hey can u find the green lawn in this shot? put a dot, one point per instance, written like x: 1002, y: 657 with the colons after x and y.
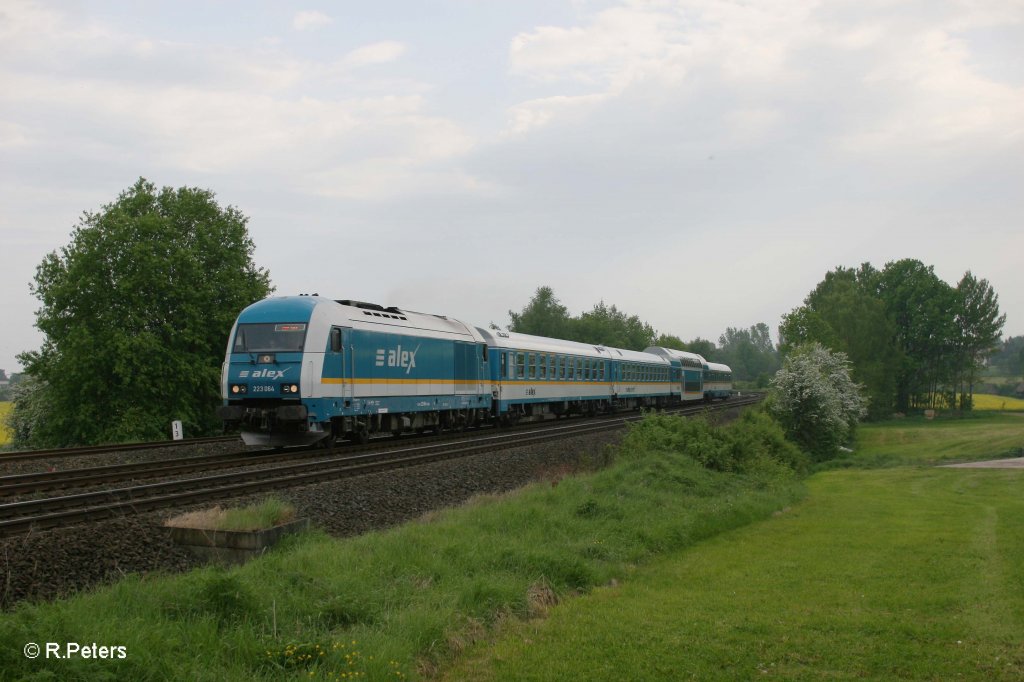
x: 918, y: 441
x: 898, y: 573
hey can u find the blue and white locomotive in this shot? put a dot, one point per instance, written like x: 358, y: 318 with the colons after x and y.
x: 306, y: 369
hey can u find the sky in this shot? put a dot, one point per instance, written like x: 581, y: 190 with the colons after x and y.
x: 699, y: 164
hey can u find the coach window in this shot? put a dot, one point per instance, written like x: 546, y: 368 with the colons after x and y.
x: 531, y: 362
x: 542, y: 360
x: 503, y: 373
x: 520, y: 365
x: 601, y: 370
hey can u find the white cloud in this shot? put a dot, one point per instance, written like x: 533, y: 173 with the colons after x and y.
x: 211, y: 109
x: 310, y: 20
x: 914, y: 82
x: 377, y: 53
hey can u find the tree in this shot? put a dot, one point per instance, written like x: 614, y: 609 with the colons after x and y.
x: 610, y: 326
x: 978, y: 327
x: 544, y: 315
x: 136, y: 311
x: 921, y: 307
x: 670, y: 341
x: 749, y: 352
x: 816, y: 400
x: 845, y: 314
x: 704, y: 348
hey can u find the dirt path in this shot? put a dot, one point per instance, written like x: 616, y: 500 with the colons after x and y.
x: 1014, y: 463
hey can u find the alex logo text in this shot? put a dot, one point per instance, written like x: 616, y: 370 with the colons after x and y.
x: 396, y: 357
x: 263, y: 373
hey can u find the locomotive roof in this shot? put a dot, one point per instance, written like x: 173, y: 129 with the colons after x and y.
x: 359, y: 315
x: 719, y: 367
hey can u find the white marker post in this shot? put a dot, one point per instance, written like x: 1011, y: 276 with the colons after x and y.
x: 176, y: 431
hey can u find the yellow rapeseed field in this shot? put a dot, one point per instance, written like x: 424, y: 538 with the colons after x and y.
x: 5, y: 435
x: 987, y: 401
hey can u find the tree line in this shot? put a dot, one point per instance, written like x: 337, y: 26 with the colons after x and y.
x: 913, y: 340
x: 748, y: 351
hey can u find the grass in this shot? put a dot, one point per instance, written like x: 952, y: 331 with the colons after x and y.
x: 400, y: 603
x: 5, y: 433
x: 266, y: 514
x: 906, y: 572
x: 893, y: 574
x: 917, y: 441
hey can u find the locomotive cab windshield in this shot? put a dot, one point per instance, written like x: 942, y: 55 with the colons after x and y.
x: 270, y: 337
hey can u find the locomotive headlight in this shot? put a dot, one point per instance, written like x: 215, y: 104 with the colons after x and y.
x: 237, y: 388
x: 234, y: 389
x: 295, y: 389
x: 289, y: 388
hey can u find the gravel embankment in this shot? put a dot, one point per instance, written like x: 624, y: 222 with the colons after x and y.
x: 57, y: 562
x: 31, y: 466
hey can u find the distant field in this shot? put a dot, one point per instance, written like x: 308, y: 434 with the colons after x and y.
x: 5, y: 435
x: 987, y: 401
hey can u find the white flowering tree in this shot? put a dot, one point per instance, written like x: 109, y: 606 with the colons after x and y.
x: 816, y: 401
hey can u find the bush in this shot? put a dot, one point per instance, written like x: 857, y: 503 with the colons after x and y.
x: 753, y: 442
x: 816, y: 401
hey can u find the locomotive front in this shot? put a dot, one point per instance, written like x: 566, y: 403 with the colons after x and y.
x: 262, y: 380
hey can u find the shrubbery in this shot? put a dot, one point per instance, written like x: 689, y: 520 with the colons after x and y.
x: 754, y: 442
x: 816, y: 401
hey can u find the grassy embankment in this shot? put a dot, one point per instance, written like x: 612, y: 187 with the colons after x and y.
x: 907, y: 572
x: 396, y: 604
x: 5, y: 434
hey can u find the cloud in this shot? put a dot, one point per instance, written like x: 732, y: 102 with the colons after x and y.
x: 895, y: 82
x: 377, y: 53
x: 211, y: 109
x: 310, y: 20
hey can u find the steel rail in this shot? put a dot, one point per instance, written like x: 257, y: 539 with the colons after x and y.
x: 42, y: 481
x: 21, y: 517
x: 18, y: 455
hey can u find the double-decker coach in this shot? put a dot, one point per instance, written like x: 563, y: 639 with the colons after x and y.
x: 717, y: 381
x: 690, y: 381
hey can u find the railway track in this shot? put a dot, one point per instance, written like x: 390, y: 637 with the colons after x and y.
x: 25, y: 516
x: 21, y: 455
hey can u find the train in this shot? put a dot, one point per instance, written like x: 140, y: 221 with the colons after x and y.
x: 304, y: 370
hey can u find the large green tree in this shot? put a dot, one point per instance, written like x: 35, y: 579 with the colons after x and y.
x: 922, y: 308
x: 610, y: 326
x: 845, y: 314
x: 978, y: 327
x: 544, y: 315
x: 136, y: 311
